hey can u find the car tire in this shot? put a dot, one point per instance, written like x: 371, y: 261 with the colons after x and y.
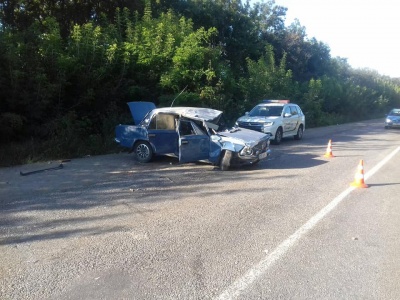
x: 278, y: 136
x: 299, y: 134
x: 225, y: 162
x: 143, y: 152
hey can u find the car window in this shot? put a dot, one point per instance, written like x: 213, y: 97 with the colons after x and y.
x: 199, y: 128
x: 163, y: 122
x: 189, y: 128
x: 185, y: 128
x: 394, y: 112
x: 287, y: 110
x: 293, y: 110
x: 299, y: 110
x: 266, y: 111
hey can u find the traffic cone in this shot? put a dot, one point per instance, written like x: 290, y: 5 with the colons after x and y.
x: 328, y: 152
x: 359, y: 178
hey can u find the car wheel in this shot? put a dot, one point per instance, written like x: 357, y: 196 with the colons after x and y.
x: 143, y: 152
x: 278, y: 136
x: 299, y: 134
x: 225, y: 160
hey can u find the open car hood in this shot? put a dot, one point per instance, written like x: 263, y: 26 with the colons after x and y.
x: 245, y: 135
x: 140, y: 109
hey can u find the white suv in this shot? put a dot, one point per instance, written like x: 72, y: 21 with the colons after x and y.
x: 279, y: 118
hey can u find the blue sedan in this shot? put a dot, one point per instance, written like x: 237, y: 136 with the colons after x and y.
x: 393, y: 118
x: 190, y: 134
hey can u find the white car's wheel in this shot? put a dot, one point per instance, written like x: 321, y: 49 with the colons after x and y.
x: 278, y: 136
x: 299, y: 134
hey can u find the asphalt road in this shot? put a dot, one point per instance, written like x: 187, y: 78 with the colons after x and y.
x: 291, y: 227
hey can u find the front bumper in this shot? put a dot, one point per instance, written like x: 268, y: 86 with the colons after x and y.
x: 246, y: 160
x: 260, y: 152
x: 251, y: 125
x: 392, y: 124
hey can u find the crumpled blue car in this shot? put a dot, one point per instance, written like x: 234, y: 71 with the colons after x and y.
x: 190, y: 134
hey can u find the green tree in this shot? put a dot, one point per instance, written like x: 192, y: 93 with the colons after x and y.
x: 266, y: 80
x: 313, y: 103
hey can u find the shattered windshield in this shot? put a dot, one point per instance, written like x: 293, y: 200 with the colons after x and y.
x: 218, y: 124
x: 146, y: 119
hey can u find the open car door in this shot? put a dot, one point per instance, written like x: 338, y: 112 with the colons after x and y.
x: 194, y: 144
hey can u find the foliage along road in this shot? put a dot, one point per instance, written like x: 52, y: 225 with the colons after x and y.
x: 107, y: 227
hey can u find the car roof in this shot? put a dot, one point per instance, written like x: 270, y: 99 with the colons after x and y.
x: 272, y: 104
x: 276, y: 102
x: 140, y: 109
x: 200, y: 113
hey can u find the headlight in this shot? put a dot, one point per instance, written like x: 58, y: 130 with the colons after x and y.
x: 268, y: 124
x: 388, y: 120
x: 246, y: 151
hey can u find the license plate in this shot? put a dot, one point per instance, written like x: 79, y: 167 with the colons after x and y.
x: 262, y: 155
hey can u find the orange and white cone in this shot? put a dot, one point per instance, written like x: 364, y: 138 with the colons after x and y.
x: 359, y: 178
x: 328, y: 152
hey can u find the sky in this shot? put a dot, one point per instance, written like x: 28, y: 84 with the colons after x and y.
x: 366, y: 32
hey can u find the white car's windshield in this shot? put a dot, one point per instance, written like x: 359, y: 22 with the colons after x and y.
x: 266, y: 111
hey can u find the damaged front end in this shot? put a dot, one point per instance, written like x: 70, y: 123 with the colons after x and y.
x: 247, y: 146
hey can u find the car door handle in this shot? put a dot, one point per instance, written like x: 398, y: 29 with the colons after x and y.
x: 152, y: 135
x: 185, y: 142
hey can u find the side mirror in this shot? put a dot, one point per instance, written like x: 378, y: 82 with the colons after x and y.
x: 246, y: 113
x: 287, y: 115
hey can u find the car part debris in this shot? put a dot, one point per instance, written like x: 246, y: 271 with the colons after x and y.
x: 41, y: 170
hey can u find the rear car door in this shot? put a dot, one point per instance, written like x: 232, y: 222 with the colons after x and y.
x: 295, y: 117
x: 194, y: 143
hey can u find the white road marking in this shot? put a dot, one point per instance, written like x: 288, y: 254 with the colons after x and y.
x: 241, y: 284
x: 378, y: 166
